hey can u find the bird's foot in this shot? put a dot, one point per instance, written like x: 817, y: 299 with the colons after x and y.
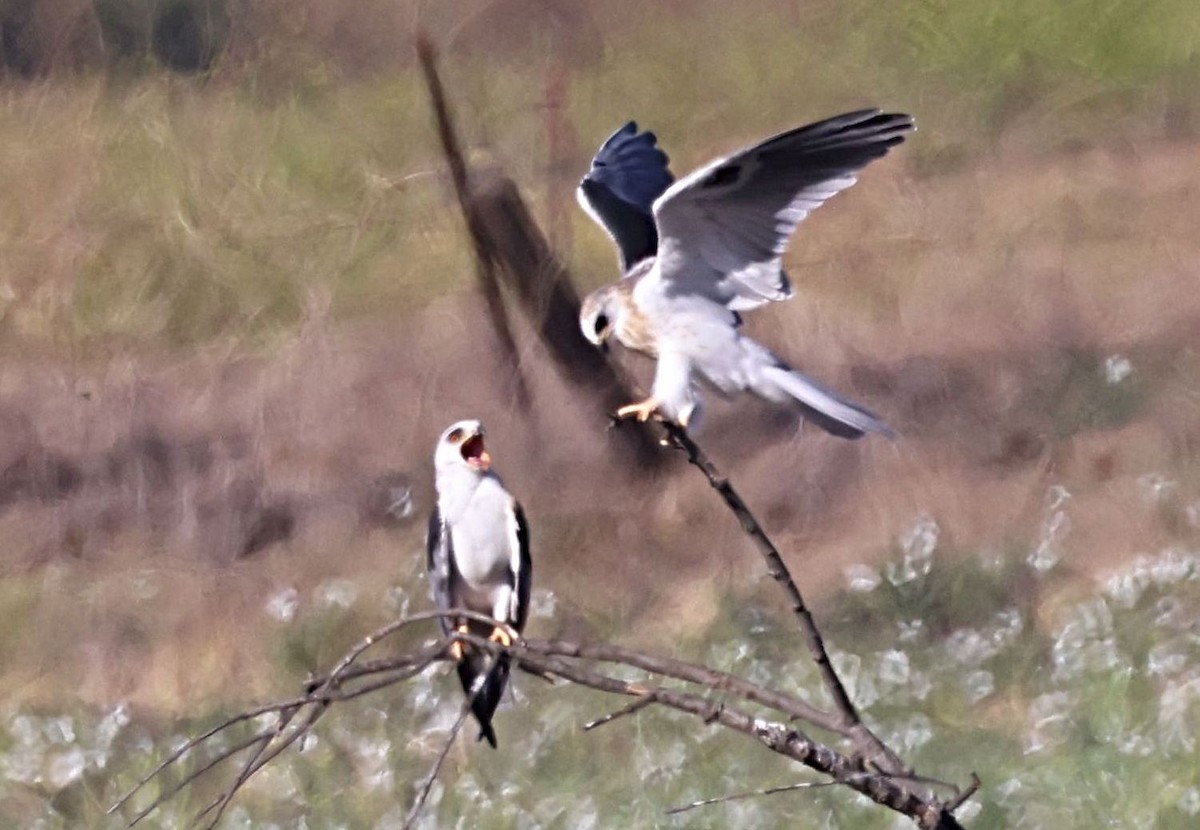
x: 504, y: 635
x: 456, y: 647
x: 642, y: 410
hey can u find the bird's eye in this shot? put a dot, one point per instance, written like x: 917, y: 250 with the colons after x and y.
x: 601, y: 324
x: 455, y: 436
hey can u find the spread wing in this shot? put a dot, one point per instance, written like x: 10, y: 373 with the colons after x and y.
x: 440, y: 562
x: 521, y: 567
x: 628, y: 173
x: 724, y: 228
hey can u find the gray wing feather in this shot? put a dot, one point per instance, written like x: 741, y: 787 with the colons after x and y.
x: 724, y: 228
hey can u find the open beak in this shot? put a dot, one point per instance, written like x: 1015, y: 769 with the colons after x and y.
x: 475, y: 454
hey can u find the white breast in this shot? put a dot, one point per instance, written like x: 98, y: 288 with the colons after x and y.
x: 480, y: 534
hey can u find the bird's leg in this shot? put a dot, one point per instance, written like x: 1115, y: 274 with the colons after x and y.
x: 642, y: 410
x: 456, y: 647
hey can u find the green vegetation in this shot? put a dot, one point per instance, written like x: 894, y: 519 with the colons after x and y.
x: 197, y: 216
x: 190, y: 211
x: 1083, y: 718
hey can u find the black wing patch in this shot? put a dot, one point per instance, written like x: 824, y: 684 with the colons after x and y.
x: 723, y: 175
x: 439, y: 561
x: 483, y: 683
x: 628, y: 173
x: 523, y: 577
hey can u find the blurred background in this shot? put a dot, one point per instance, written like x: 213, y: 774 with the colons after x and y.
x: 237, y: 306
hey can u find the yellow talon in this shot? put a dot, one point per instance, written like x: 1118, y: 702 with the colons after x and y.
x: 456, y: 647
x: 501, y: 636
x: 642, y: 410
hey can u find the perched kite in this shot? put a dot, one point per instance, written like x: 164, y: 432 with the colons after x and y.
x: 478, y: 558
x: 697, y: 252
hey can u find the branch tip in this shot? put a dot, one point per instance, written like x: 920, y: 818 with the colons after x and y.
x: 962, y: 798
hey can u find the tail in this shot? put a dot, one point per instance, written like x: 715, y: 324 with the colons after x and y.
x: 818, y: 404
x: 483, y: 680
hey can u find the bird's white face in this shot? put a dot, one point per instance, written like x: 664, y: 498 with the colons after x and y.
x: 461, y: 445
x: 598, y: 317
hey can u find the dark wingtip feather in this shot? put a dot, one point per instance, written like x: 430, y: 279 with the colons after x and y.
x: 627, y: 174
x: 632, y: 166
x: 486, y: 698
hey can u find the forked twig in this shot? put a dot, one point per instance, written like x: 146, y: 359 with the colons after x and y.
x: 170, y: 793
x: 186, y: 747
x: 267, y: 751
x: 968, y: 791
x: 322, y: 690
x: 269, y: 743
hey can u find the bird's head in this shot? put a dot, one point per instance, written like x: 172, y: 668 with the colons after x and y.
x: 461, y: 447
x: 598, y: 316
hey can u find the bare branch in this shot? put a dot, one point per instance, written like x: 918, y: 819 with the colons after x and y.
x: 573, y: 662
x: 414, y: 812
x: 319, y: 694
x: 782, y: 738
x: 170, y: 793
x: 485, y: 257
x: 184, y: 749
x: 637, y: 706
x: 510, y: 247
x: 961, y: 799
x: 805, y: 785
x: 702, y: 675
x: 263, y: 754
x: 867, y: 744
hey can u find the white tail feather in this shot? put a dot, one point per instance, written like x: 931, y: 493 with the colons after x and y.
x: 839, y: 416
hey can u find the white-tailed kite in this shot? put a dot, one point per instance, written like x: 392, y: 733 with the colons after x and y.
x: 478, y: 558
x: 697, y: 252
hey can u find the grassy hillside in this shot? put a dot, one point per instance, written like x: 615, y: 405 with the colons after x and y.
x: 170, y: 211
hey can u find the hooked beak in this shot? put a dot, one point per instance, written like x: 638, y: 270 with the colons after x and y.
x: 475, y: 453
